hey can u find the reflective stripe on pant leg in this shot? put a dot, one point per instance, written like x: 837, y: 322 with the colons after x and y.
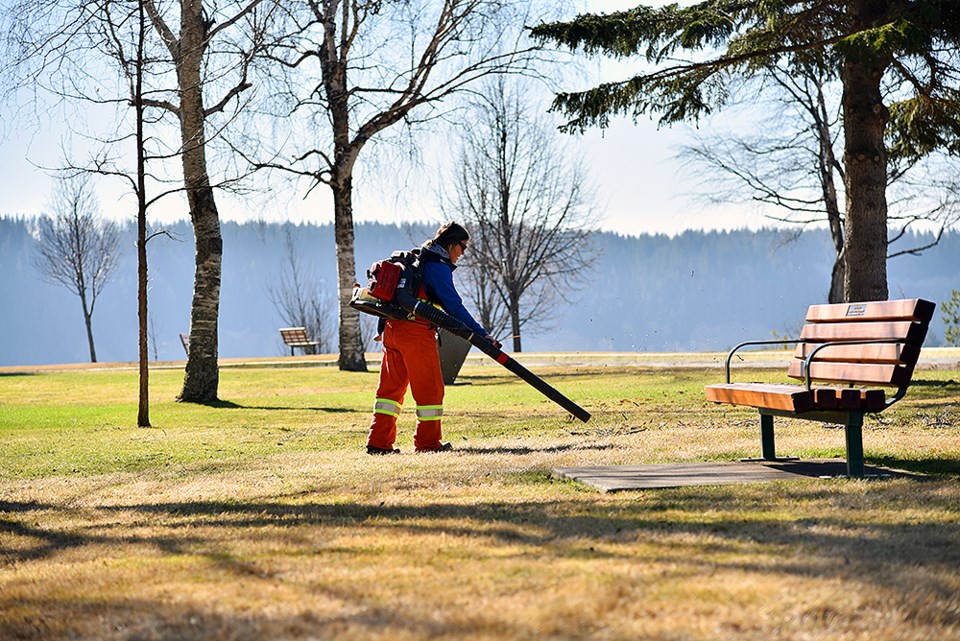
x: 429, y: 412
x: 387, y: 406
x: 391, y: 388
x: 426, y: 383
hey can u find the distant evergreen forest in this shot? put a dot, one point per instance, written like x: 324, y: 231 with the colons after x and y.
x: 695, y: 291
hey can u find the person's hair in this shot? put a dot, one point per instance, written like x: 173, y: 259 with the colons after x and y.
x: 450, y: 234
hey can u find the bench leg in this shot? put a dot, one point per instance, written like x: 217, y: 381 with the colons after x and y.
x: 767, y: 445
x: 768, y: 449
x: 854, y: 433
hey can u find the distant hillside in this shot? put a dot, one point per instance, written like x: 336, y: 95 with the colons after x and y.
x: 696, y: 291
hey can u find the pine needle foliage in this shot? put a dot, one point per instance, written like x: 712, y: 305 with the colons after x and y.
x: 693, y: 54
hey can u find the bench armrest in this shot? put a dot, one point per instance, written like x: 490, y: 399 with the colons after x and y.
x: 901, y: 391
x: 788, y: 341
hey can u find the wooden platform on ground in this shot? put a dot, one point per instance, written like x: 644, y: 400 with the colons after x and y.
x: 617, y: 478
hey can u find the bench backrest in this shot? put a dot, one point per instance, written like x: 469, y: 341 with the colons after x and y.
x: 294, y: 335
x: 897, y: 326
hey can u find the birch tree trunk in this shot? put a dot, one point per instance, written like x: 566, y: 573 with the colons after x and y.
x: 351, y: 345
x: 345, y: 152
x: 202, y: 375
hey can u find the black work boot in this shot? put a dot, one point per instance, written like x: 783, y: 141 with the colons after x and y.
x: 378, y: 451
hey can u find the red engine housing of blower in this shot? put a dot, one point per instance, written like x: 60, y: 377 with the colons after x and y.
x: 384, y: 276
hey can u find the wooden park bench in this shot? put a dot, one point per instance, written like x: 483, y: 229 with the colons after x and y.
x: 845, y: 354
x: 297, y: 337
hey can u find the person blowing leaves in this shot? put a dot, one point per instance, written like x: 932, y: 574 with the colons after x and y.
x: 410, y: 354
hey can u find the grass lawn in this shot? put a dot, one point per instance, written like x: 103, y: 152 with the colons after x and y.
x: 261, y: 518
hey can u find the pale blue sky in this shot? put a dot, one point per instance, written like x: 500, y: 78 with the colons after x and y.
x: 640, y: 186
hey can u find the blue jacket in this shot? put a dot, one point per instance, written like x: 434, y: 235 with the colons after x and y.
x: 438, y: 284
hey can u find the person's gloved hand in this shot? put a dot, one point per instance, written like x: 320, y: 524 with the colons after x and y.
x: 495, y: 342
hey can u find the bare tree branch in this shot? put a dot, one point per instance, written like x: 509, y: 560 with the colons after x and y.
x: 358, y: 68
x: 76, y: 248
x: 298, y: 298
x: 529, y: 211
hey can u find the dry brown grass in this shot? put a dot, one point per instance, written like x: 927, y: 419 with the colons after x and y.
x: 273, y: 529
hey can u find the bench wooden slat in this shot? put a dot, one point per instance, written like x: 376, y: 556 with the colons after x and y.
x: 793, y: 398
x: 848, y: 398
x: 789, y: 398
x: 910, y: 309
x: 826, y: 398
x: 894, y: 353
x: 866, y: 399
x: 862, y: 373
x: 887, y: 330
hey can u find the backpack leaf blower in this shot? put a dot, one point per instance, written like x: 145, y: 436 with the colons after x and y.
x: 394, y: 296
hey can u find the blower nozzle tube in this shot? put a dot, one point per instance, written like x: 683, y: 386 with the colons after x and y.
x: 440, y: 318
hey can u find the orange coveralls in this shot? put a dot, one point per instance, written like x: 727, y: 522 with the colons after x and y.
x: 410, y: 357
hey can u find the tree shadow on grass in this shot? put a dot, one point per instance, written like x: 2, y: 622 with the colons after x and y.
x: 733, y: 517
x: 805, y: 530
x: 24, y: 506
x: 931, y: 466
x: 497, y: 375
x: 927, y: 394
x: 521, y: 450
x: 139, y: 619
x: 230, y: 405
x: 950, y: 385
x: 47, y: 541
x: 696, y: 532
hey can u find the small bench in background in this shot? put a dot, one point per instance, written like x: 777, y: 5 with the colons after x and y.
x: 296, y: 337
x: 850, y: 350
